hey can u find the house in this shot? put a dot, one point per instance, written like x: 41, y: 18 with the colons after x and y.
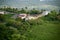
x: 45, y: 13
x: 22, y: 16
x: 30, y: 16
x: 1, y: 12
x: 36, y: 16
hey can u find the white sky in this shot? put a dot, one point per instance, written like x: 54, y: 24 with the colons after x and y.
x: 41, y: 0
x: 46, y: 0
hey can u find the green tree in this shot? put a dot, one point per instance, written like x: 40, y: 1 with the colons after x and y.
x: 18, y: 19
x: 34, y: 11
x: 26, y: 8
x: 2, y: 18
x: 22, y: 10
x: 9, y: 33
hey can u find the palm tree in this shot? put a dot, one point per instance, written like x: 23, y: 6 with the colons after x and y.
x: 23, y: 10
x: 4, y: 8
x: 26, y: 8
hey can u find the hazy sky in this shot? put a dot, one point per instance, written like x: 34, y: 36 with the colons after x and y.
x: 22, y: 3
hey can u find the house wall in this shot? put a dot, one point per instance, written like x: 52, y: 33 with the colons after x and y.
x: 45, y: 13
x: 31, y: 17
x: 1, y: 12
x: 22, y: 16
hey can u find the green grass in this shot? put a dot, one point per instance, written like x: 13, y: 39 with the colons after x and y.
x: 46, y: 31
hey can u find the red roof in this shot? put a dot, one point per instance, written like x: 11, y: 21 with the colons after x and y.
x: 21, y: 15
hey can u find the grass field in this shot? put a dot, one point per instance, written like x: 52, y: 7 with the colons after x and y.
x: 46, y: 31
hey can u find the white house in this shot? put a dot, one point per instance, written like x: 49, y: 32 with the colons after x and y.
x: 2, y: 12
x: 35, y: 16
x: 22, y: 16
x: 29, y: 17
x: 45, y: 13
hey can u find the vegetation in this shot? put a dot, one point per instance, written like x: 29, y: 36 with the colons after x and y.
x: 22, y: 10
x: 44, y: 28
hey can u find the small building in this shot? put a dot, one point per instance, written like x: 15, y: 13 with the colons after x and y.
x: 34, y: 16
x: 2, y: 12
x: 45, y: 13
x: 27, y: 16
x: 22, y: 16
x: 30, y: 16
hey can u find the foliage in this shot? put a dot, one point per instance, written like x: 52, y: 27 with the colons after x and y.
x: 34, y: 11
x: 44, y: 28
x: 2, y: 18
x: 22, y: 10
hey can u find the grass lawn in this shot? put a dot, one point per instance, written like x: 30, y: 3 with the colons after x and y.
x: 46, y: 31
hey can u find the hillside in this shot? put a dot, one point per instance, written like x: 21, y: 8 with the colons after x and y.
x: 43, y: 28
